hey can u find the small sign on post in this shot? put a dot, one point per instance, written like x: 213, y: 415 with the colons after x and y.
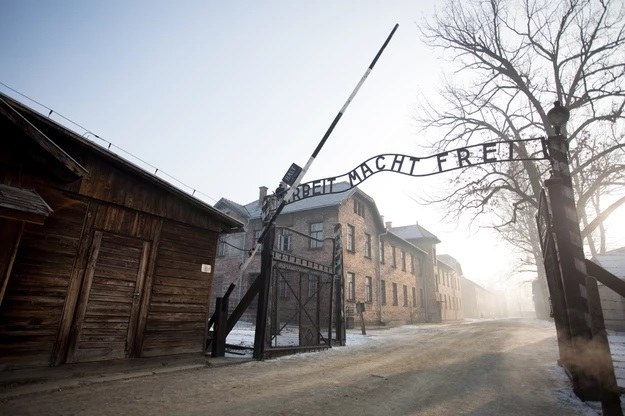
x: 291, y: 174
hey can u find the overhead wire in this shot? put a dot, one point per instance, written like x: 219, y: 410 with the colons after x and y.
x: 110, y: 144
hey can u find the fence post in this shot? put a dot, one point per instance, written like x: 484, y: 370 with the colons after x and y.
x: 218, y: 344
x: 266, y: 267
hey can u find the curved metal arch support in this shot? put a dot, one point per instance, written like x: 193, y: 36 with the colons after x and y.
x: 447, y: 161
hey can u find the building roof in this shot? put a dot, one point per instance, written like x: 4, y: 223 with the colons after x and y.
x: 252, y: 210
x: 451, y: 262
x: 23, y: 205
x: 31, y: 123
x: 613, y: 261
x: 414, y: 232
x: 406, y: 242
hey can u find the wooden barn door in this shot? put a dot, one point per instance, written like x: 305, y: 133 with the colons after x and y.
x: 105, y: 324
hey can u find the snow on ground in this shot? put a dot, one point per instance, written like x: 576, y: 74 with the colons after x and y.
x: 617, y: 348
x: 243, y: 335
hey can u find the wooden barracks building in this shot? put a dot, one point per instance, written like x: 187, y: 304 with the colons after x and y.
x: 391, y: 270
x: 98, y: 258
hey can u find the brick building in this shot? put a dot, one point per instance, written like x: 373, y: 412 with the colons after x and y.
x: 393, y: 276
x: 448, y: 289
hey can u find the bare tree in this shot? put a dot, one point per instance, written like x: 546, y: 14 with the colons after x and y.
x: 512, y: 60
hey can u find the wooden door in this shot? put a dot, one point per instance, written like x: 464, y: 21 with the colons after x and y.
x: 106, y: 319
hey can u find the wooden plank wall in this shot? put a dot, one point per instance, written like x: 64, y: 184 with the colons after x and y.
x: 613, y: 306
x: 33, y: 304
x: 179, y: 302
x: 109, y: 318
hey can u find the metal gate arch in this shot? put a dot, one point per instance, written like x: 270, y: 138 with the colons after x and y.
x: 301, y: 303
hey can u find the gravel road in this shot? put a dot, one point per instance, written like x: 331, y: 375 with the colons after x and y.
x: 502, y: 367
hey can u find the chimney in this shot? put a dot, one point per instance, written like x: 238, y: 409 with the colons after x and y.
x: 262, y: 194
x: 388, y: 224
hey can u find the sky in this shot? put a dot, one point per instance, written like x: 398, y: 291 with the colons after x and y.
x: 224, y: 96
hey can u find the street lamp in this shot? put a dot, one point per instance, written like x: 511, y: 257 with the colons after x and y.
x: 558, y: 148
x: 558, y: 116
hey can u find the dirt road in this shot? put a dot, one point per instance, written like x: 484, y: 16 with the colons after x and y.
x: 480, y: 368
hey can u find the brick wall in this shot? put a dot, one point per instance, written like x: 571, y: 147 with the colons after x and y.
x: 360, y: 213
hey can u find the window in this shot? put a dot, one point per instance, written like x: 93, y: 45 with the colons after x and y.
x: 284, y: 240
x: 368, y: 245
x: 312, y: 286
x: 403, y: 260
x: 394, y: 264
x: 351, y: 232
x: 359, y: 208
x: 382, y: 252
x: 316, y: 232
x: 351, y: 286
x: 405, y: 293
x: 414, y: 297
x: 394, y: 293
x: 412, y: 264
x: 257, y: 234
x: 221, y: 248
x: 383, y: 292
x: 284, y: 289
x: 368, y: 294
x: 421, y: 297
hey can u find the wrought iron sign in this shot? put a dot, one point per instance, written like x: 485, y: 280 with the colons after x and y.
x: 460, y: 158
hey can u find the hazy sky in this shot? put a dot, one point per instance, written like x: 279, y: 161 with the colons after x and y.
x: 226, y: 96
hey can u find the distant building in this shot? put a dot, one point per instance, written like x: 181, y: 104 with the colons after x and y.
x: 390, y: 270
x: 612, y: 303
x: 476, y: 301
x: 426, y: 241
x: 448, y: 287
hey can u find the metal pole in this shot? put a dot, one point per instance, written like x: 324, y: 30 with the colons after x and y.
x: 571, y: 258
x: 289, y: 193
x: 263, y: 295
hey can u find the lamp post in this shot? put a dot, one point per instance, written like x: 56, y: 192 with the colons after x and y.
x: 566, y: 225
x: 587, y: 353
x: 571, y: 257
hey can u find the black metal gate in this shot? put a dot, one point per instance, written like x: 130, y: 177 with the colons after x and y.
x: 295, y: 304
x: 300, y: 303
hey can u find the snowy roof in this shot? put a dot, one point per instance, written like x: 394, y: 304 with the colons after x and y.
x: 413, y: 232
x: 391, y: 234
x: 253, y: 209
x: 320, y: 201
x: 613, y: 261
x: 451, y: 262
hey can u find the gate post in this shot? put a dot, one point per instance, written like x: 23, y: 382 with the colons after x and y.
x: 338, y: 285
x: 571, y: 259
x: 218, y: 346
x: 266, y: 266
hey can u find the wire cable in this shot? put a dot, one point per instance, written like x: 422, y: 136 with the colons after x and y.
x: 110, y: 144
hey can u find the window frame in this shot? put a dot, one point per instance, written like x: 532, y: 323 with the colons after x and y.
x: 221, y: 248
x: 368, y: 289
x: 316, y: 234
x: 315, y: 285
x: 402, y: 257
x: 368, y: 245
x: 359, y: 208
x: 351, y: 238
x: 283, y: 236
x: 395, y: 300
x: 351, y: 286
